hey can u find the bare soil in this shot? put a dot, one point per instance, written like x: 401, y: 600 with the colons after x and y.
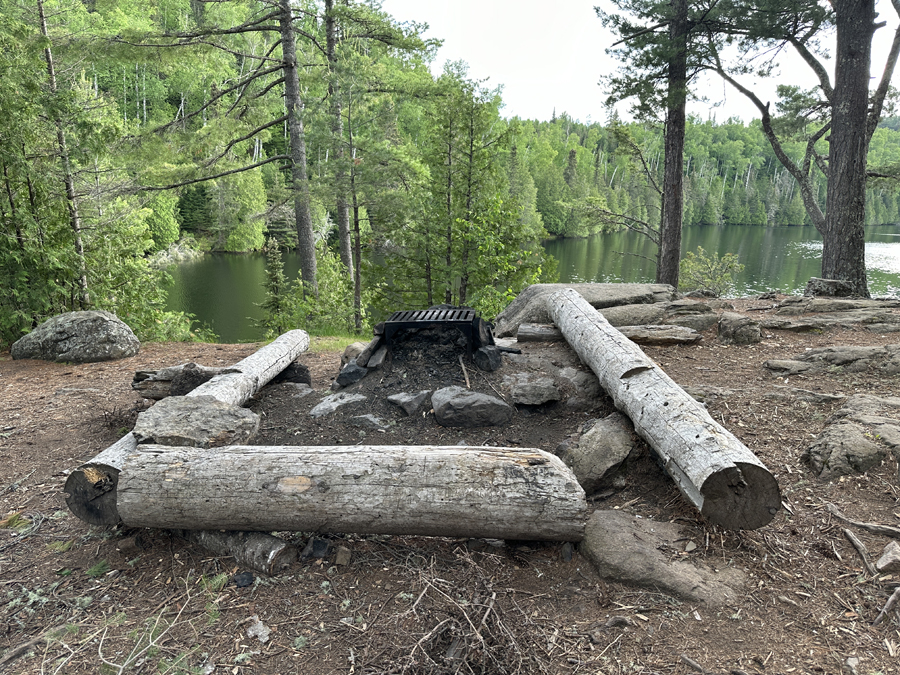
x: 77, y: 599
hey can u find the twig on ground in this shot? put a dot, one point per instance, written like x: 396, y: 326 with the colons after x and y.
x: 862, y: 550
x: 874, y: 528
x: 895, y: 597
x: 465, y: 372
x: 693, y: 664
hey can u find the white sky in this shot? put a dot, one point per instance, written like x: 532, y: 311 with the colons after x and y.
x: 552, y: 54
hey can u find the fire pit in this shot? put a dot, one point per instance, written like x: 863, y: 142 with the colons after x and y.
x: 463, y: 319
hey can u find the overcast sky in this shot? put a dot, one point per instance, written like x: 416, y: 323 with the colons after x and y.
x: 552, y: 55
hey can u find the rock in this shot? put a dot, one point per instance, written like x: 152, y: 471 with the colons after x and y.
x: 782, y: 392
x: 585, y: 382
x: 600, y: 451
x: 188, y: 378
x: 294, y: 373
x: 660, y: 335
x: 378, y: 359
x: 488, y: 358
x: 737, y: 329
x: 350, y: 374
x: 843, y: 449
x: 298, y: 389
x: 530, y: 305
x: 885, y: 359
x: 411, y: 404
x: 371, y: 348
x: 196, y: 421
x: 351, y: 352
x: 78, y: 337
x: 342, y: 556
x: 834, y: 288
x: 531, y: 389
x: 708, y: 393
x: 331, y: 403
x: 315, y: 548
x: 638, y: 551
x: 635, y: 315
x: 458, y: 407
x: 889, y: 562
x: 367, y: 422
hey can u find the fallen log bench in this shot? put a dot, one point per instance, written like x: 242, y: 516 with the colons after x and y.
x: 503, y: 493
x: 91, y: 488
x: 714, y: 471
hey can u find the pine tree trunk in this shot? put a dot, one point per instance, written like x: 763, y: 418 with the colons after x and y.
x: 306, y: 245
x: 673, y: 202
x: 843, y: 251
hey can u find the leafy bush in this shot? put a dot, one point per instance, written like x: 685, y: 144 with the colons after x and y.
x: 708, y: 272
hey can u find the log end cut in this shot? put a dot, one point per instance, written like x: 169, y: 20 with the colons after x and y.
x: 742, y: 497
x: 91, y: 494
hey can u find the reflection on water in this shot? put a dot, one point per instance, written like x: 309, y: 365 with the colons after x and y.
x: 224, y: 291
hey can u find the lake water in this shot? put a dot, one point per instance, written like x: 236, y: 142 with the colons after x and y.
x: 224, y: 290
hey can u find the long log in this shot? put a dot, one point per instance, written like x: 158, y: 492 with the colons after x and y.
x: 91, y: 488
x: 158, y: 384
x: 717, y: 473
x: 506, y: 493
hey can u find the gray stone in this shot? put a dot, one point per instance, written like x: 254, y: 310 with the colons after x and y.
x: 660, y: 335
x: 706, y: 394
x: 78, y: 337
x: 331, y: 403
x: 350, y: 374
x: 530, y: 305
x: 189, y: 378
x: 298, y: 389
x: 737, y: 329
x: 458, y: 407
x: 351, y: 352
x: 835, y: 288
x: 367, y: 422
x: 371, y: 348
x: 600, y: 451
x: 488, y: 358
x: 843, y: 449
x: 378, y: 359
x: 885, y: 359
x: 889, y: 562
x: 411, y: 404
x: 638, y: 551
x: 531, y: 389
x: 196, y: 421
x: 635, y: 315
x: 584, y: 382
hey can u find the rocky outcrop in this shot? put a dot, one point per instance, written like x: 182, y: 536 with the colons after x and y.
x: 885, y: 359
x: 737, y: 329
x: 79, y: 337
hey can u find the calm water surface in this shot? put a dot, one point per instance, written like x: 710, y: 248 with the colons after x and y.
x: 223, y: 290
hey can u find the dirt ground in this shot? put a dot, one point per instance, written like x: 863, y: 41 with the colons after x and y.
x: 80, y: 599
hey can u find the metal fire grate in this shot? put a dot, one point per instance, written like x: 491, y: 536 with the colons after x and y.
x: 462, y: 319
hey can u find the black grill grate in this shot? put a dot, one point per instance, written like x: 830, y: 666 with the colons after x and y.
x: 462, y: 319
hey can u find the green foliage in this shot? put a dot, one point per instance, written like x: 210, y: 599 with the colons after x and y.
x: 331, y: 312
x: 277, y: 305
x: 98, y: 570
x: 708, y: 272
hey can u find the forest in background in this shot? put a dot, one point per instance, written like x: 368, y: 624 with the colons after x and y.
x: 126, y: 127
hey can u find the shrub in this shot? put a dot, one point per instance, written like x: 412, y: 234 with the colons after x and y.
x: 708, y: 272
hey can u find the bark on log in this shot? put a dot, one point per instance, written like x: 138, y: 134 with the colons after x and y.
x: 715, y: 471
x: 91, y: 488
x: 538, y: 332
x: 506, y: 493
x: 257, y: 550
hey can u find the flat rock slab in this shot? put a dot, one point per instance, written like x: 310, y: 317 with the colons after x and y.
x: 661, y: 335
x: 459, y: 407
x: 531, y: 388
x: 331, y: 403
x: 637, y: 551
x: 196, y: 421
x: 737, y: 329
x: 885, y: 359
x: 858, y: 437
x: 530, y: 305
x: 411, y: 404
x: 78, y: 337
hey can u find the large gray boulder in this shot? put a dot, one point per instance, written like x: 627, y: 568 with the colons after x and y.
x: 78, y: 337
x: 596, y: 456
x: 459, y: 407
x: 530, y: 306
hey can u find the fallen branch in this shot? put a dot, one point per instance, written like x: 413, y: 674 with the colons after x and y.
x: 23, y: 648
x: 874, y: 528
x: 862, y: 550
x: 895, y: 597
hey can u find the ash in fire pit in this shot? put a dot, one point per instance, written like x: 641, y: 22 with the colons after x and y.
x: 443, y: 333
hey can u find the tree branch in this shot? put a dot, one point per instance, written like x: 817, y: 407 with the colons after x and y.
x: 172, y: 186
